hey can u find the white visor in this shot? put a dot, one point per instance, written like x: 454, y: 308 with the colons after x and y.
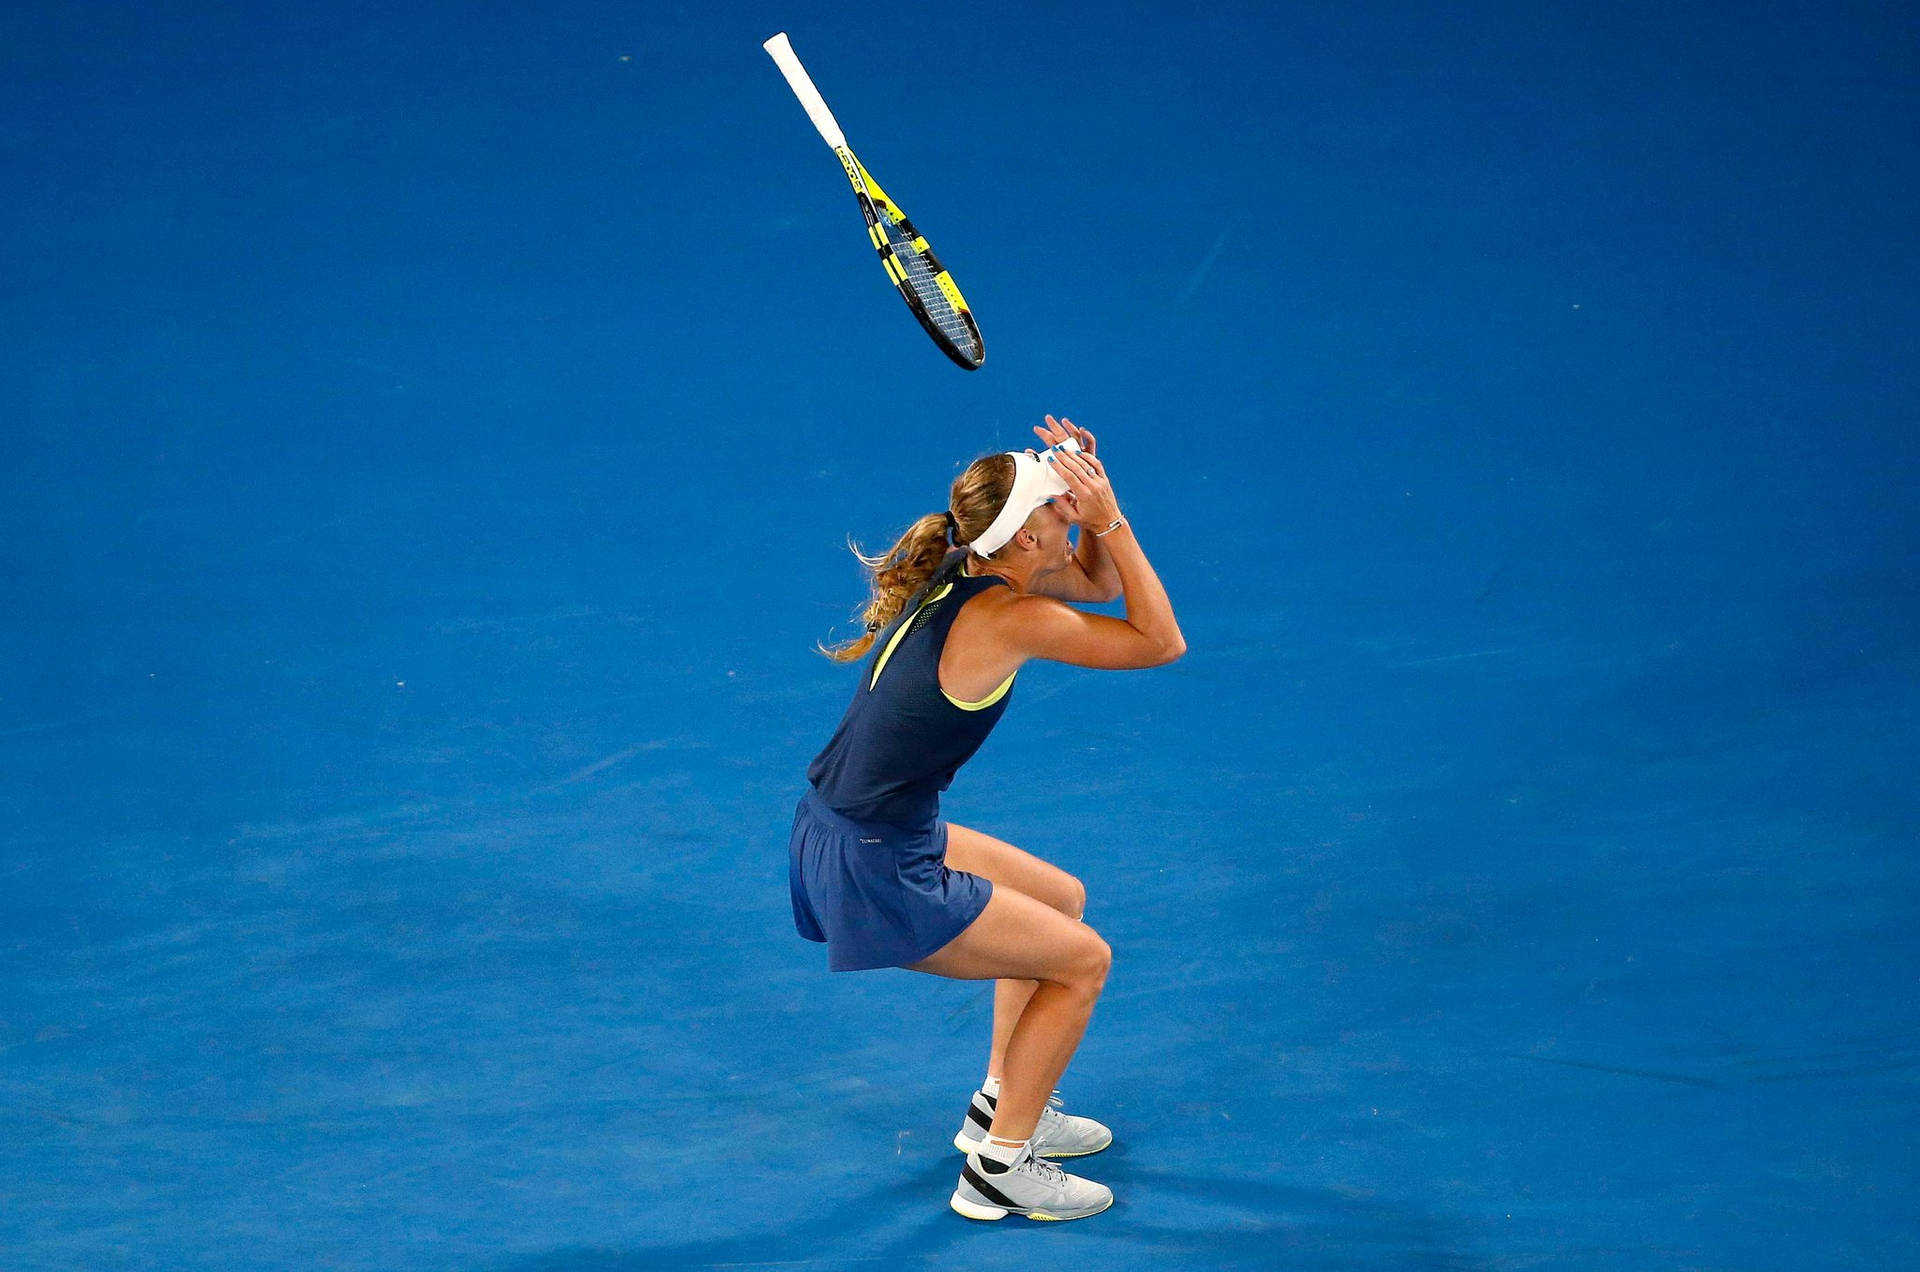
x: 1034, y: 483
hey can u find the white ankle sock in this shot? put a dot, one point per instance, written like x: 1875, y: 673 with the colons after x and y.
x: 991, y: 1087
x: 994, y: 1151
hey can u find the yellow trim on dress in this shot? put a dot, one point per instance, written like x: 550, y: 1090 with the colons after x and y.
x: 900, y: 633
x: 985, y: 702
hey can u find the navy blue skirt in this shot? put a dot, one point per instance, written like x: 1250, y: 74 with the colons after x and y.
x: 877, y: 895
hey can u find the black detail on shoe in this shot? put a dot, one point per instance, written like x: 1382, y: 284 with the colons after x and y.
x: 987, y: 1190
x: 993, y: 1166
x: 979, y: 1119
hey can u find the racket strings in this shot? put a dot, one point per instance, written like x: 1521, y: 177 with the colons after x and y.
x: 921, y: 280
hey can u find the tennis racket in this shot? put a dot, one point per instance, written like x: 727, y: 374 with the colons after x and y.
x: 924, y: 283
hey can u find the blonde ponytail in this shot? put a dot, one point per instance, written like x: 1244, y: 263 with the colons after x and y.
x: 898, y: 575
x: 902, y: 570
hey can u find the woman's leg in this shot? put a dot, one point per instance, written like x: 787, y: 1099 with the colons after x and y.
x: 1010, y: 998
x: 1019, y: 938
x: 1010, y: 867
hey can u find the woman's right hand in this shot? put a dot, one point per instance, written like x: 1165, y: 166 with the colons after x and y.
x: 1091, y: 501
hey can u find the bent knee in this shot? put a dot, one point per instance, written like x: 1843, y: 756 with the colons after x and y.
x: 1087, y: 971
x: 1102, y: 959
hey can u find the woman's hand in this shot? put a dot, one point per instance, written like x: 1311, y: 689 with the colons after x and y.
x: 1088, y: 471
x: 1054, y: 432
x: 1090, y: 501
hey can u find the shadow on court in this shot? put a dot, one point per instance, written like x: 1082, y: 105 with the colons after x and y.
x: 1173, y: 1221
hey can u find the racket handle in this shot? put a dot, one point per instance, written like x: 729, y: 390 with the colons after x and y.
x: 802, y: 85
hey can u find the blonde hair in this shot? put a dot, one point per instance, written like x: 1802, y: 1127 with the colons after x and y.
x: 901, y: 571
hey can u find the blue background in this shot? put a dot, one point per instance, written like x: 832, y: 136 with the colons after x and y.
x: 430, y: 437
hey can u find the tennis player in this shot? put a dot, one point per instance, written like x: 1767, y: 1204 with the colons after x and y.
x: 960, y: 604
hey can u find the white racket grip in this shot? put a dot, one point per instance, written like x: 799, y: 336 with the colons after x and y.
x: 802, y: 85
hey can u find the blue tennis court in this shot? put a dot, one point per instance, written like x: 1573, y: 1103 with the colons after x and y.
x: 431, y: 436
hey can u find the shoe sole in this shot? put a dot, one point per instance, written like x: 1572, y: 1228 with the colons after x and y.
x: 966, y: 1145
x: 988, y: 1214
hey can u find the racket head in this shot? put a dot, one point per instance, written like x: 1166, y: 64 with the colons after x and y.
x: 923, y: 282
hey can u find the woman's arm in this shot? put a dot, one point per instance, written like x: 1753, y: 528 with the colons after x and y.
x: 1091, y: 579
x: 1096, y: 565
x: 1149, y: 635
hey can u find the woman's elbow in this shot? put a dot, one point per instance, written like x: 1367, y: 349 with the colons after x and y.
x: 1171, y: 650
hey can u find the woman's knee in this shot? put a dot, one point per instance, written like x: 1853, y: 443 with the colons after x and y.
x: 1074, y: 902
x: 1102, y: 962
x: 1086, y: 970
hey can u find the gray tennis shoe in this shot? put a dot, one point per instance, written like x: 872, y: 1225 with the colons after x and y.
x: 1032, y: 1187
x: 1058, y: 1134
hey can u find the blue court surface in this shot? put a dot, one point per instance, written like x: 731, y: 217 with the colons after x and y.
x: 431, y: 434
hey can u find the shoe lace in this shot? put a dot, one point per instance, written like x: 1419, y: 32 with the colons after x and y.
x: 1045, y: 1171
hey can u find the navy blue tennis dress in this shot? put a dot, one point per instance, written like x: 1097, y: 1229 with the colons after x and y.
x: 867, y: 860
